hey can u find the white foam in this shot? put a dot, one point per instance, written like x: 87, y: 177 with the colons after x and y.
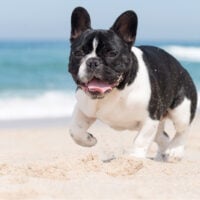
x: 48, y: 105
x: 184, y: 53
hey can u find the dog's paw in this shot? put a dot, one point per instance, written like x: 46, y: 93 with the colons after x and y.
x: 159, y: 157
x: 173, y: 154
x: 85, y: 140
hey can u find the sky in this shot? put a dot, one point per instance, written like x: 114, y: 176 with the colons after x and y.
x: 50, y: 19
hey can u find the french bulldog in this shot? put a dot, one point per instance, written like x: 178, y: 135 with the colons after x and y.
x: 128, y: 87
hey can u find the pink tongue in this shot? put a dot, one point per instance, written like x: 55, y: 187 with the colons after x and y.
x: 98, y: 86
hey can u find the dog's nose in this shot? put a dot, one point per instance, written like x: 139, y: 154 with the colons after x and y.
x: 93, y: 62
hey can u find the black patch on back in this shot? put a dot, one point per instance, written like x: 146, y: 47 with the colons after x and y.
x: 170, y: 82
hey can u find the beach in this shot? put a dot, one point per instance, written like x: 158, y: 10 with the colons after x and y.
x: 40, y: 161
x: 38, y: 158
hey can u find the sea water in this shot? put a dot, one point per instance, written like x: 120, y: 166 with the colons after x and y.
x: 35, y: 83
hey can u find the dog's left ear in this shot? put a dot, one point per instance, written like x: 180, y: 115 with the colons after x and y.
x: 126, y: 26
x: 80, y: 21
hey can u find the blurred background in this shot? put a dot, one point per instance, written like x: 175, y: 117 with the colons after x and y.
x: 34, y: 48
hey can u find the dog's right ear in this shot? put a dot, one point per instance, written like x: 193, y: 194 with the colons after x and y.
x: 80, y: 21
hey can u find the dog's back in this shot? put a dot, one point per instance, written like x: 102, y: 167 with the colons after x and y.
x: 170, y: 82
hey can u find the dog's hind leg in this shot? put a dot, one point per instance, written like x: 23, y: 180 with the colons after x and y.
x: 181, y: 119
x: 162, y: 139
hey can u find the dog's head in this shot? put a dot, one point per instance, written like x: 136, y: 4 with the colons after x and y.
x: 101, y: 60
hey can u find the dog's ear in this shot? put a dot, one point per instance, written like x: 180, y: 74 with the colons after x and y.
x: 80, y: 21
x: 126, y: 26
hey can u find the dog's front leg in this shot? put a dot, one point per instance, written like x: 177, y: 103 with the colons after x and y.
x: 78, y: 129
x: 144, y: 138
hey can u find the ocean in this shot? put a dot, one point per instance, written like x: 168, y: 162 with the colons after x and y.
x: 35, y: 83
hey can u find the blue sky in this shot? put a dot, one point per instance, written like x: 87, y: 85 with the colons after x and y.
x: 50, y: 19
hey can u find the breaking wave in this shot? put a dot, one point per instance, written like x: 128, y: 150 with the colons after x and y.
x: 47, y: 105
x: 184, y: 53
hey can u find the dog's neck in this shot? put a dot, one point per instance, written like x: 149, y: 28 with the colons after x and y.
x: 130, y: 74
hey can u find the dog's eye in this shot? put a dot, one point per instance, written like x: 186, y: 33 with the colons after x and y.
x: 78, y: 53
x: 111, y: 53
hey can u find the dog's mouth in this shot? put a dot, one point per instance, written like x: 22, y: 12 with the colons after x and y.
x: 97, y: 88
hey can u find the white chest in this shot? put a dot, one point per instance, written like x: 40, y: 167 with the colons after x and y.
x: 123, y: 109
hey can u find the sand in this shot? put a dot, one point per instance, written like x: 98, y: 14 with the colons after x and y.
x: 43, y: 163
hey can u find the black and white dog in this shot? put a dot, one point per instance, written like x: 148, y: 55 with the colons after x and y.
x: 126, y: 87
